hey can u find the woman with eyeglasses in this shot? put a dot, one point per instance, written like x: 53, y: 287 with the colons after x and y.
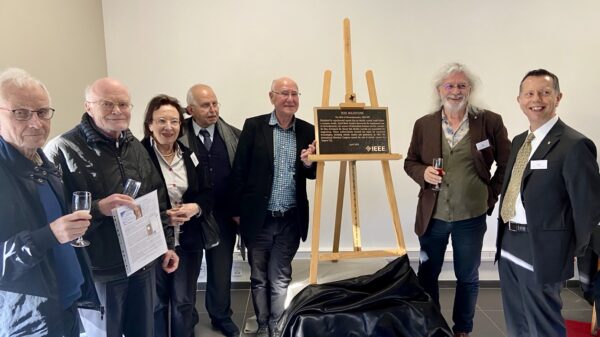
x: 189, y: 197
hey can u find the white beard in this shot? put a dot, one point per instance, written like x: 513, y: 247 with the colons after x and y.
x: 451, y: 107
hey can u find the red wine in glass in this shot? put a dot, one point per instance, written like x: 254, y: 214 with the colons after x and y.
x: 438, y: 165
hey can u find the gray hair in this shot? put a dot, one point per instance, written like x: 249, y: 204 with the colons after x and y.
x: 19, y: 78
x: 189, y: 98
x: 448, y: 70
x: 88, y: 92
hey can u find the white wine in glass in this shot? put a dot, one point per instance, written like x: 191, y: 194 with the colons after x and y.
x: 82, y: 201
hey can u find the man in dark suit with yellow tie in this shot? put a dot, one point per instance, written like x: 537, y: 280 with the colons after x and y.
x: 549, y: 206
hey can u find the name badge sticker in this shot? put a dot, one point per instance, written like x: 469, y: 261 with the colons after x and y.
x: 484, y: 144
x: 194, y: 159
x: 539, y: 164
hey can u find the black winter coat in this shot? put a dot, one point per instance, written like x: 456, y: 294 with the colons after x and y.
x: 29, y: 299
x: 91, y: 161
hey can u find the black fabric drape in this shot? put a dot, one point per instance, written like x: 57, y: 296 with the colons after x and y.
x: 389, y: 302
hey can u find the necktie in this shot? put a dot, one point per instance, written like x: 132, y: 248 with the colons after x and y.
x: 514, y: 185
x: 206, y: 138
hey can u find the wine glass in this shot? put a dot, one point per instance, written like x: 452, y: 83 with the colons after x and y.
x: 177, y: 226
x: 132, y: 187
x: 438, y: 165
x: 176, y: 202
x: 82, y: 201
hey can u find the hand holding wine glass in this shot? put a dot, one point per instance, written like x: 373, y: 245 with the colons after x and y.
x: 438, y: 165
x: 82, y: 201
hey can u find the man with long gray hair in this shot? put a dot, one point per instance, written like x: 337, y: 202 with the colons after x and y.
x: 454, y: 201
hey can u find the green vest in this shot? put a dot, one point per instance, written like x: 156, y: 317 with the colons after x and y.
x: 463, y: 194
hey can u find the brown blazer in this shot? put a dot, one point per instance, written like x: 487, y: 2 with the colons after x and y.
x: 426, y: 143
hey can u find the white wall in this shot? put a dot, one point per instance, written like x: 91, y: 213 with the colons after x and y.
x: 238, y: 47
x: 61, y: 42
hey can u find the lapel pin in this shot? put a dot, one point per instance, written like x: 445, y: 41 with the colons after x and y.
x: 549, y: 142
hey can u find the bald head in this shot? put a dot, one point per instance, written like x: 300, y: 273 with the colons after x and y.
x: 203, y: 105
x: 103, y: 86
x: 108, y: 102
x: 283, y: 81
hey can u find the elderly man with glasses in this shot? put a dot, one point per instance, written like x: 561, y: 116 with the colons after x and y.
x: 454, y: 202
x: 213, y: 143
x: 41, y: 279
x: 99, y: 155
x: 269, y: 198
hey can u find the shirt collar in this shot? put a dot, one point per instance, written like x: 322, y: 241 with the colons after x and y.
x: 197, y: 128
x: 541, y: 132
x: 445, y: 119
x: 273, y: 121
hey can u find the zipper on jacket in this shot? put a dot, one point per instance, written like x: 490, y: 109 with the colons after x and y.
x: 121, y: 169
x: 117, y: 153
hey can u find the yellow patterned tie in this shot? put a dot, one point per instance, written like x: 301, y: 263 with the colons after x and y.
x: 507, y: 210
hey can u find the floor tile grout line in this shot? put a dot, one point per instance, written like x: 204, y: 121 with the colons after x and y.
x: 491, y: 320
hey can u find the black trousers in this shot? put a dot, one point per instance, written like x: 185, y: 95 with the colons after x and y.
x: 530, y: 309
x: 128, y: 305
x: 219, y: 261
x: 270, y: 257
x: 176, y: 293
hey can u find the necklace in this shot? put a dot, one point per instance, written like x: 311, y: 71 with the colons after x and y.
x: 168, y: 155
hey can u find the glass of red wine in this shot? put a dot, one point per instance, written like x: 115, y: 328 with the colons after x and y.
x: 438, y: 165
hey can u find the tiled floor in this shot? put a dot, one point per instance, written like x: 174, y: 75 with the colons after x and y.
x: 489, y: 316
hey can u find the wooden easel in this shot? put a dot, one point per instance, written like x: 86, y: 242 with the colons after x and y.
x: 344, y: 159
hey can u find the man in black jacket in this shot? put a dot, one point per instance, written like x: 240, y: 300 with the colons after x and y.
x: 269, y: 197
x: 99, y: 155
x: 550, y: 204
x: 41, y: 279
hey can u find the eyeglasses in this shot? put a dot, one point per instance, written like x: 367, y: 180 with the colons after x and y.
x: 294, y: 94
x: 109, y: 106
x: 450, y: 86
x: 25, y: 114
x: 208, y: 105
x: 164, y: 122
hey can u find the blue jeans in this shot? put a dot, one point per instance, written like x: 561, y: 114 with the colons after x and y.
x: 270, y: 259
x: 467, y: 240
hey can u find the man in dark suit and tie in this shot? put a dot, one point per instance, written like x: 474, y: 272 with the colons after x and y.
x: 269, y: 197
x: 213, y: 142
x: 549, y: 206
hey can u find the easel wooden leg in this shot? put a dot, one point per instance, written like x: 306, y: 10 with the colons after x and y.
x: 339, y: 207
x: 354, y: 208
x: 389, y: 187
x: 314, y: 255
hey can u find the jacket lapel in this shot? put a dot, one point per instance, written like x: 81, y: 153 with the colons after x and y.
x: 551, y: 139
x: 517, y: 142
x: 267, y: 132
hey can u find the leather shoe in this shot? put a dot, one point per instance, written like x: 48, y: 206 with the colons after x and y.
x: 461, y: 334
x: 263, y: 331
x: 227, y: 327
